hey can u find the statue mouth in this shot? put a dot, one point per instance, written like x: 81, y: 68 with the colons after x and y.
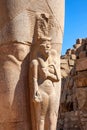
x: 47, y: 50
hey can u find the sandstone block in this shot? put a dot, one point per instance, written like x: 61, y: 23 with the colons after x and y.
x: 63, y: 73
x: 81, y: 64
x: 81, y: 94
x: 73, y: 57
x: 82, y: 54
x: 71, y: 82
x: 86, y: 47
x: 81, y: 79
x: 73, y: 51
x: 71, y: 62
x: 65, y: 66
x: 63, y: 61
x: 68, y: 52
x: 71, y: 121
x: 79, y: 41
x: 76, y: 46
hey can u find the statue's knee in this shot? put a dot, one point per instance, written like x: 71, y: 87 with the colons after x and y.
x: 21, y: 51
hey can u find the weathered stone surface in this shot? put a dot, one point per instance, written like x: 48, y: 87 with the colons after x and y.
x: 82, y: 54
x: 71, y: 121
x: 13, y: 86
x: 71, y: 62
x: 73, y: 56
x: 64, y: 73
x: 81, y: 64
x: 76, y: 46
x: 65, y: 66
x: 73, y: 105
x: 81, y: 94
x: 81, y: 79
x: 21, y: 15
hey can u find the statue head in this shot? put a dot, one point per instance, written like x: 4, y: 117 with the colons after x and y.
x: 45, y: 46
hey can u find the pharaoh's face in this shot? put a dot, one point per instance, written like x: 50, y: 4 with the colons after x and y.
x: 45, y: 47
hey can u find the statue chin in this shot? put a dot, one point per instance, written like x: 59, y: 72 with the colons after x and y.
x: 47, y: 53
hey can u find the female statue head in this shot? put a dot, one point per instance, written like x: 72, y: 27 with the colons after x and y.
x: 45, y: 46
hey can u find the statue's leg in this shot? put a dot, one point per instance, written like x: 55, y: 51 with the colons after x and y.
x: 52, y: 111
x: 13, y: 86
x: 44, y: 108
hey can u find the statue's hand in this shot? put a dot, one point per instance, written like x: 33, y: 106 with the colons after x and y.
x: 51, y: 69
x: 37, y: 97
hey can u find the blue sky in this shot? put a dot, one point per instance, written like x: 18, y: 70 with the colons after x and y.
x: 75, y: 22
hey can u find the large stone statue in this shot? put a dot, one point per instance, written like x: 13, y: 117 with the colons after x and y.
x: 22, y: 24
x: 44, y: 75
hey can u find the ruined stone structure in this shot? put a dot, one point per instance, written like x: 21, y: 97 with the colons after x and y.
x: 73, y: 106
x: 20, y: 27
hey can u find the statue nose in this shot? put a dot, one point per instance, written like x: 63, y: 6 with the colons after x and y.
x: 48, y: 46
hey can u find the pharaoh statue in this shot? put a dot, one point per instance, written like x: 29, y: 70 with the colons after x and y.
x: 25, y: 26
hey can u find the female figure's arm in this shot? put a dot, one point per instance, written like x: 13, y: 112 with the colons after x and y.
x: 53, y: 76
x: 51, y: 73
x: 34, y: 66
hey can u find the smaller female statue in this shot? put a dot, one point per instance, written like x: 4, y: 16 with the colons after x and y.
x: 44, y: 74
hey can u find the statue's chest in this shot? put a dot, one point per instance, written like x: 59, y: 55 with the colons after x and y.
x: 43, y: 70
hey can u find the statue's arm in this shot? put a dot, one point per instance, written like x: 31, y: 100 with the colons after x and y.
x: 56, y: 72
x: 37, y: 96
x: 48, y: 75
x: 34, y: 67
x: 52, y: 77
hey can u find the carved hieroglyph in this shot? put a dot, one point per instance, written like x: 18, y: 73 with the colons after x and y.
x: 17, y: 32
